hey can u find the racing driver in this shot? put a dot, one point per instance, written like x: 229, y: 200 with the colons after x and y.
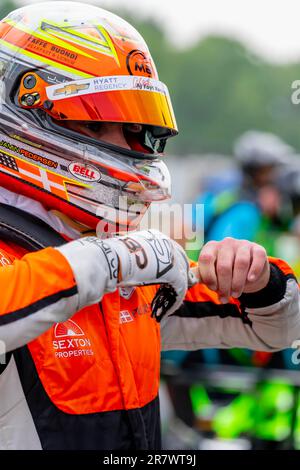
x: 84, y: 121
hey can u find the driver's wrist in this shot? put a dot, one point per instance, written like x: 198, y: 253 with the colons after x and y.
x: 272, y: 293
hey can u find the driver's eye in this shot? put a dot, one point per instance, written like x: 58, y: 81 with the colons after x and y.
x: 134, y: 128
x: 93, y: 126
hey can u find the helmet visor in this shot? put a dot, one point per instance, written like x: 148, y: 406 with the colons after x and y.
x: 124, y: 99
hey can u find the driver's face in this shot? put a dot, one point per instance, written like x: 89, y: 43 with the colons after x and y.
x: 110, y: 132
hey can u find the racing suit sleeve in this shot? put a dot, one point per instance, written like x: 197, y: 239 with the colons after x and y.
x: 268, y: 320
x: 42, y: 289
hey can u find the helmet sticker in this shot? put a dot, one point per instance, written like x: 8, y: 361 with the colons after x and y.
x: 138, y: 64
x: 72, y: 89
x: 27, y: 154
x: 104, y: 84
x: 84, y: 172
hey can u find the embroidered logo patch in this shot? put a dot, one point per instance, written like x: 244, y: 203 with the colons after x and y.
x: 71, y: 341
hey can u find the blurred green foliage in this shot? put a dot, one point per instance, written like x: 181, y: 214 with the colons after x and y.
x: 5, y: 7
x: 219, y: 89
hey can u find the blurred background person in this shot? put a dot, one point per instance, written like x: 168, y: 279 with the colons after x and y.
x: 251, y: 205
x: 287, y: 243
x: 258, y: 199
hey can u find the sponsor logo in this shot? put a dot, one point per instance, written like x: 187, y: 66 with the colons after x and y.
x: 148, y: 84
x: 51, y: 51
x: 138, y: 64
x: 106, y: 84
x: 68, y: 328
x: 25, y: 153
x: 109, y: 83
x: 71, y: 341
x: 64, y: 52
x: 137, y: 249
x: 84, y: 172
x: 108, y: 253
x: 72, y: 89
x: 38, y: 42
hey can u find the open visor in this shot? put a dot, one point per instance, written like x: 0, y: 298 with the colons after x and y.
x: 125, y: 99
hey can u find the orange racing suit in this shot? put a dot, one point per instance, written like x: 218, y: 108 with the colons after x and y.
x: 89, y: 379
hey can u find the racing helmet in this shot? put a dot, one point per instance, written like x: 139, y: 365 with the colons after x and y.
x: 63, y: 62
x: 288, y: 180
x: 256, y: 149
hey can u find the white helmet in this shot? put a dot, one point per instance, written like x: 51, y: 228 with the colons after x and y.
x: 255, y: 149
x: 68, y: 61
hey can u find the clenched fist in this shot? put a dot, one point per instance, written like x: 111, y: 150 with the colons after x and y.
x: 232, y: 267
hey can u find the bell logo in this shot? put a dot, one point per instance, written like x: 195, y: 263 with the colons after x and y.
x: 84, y: 172
x: 71, y: 341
